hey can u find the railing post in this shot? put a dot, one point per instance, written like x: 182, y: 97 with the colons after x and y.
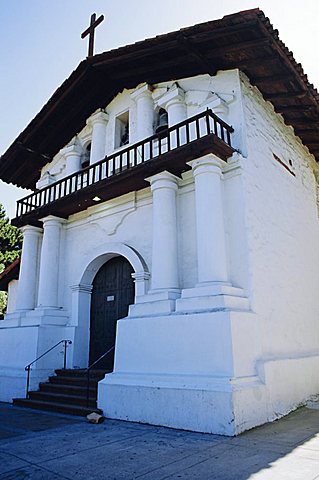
x: 28, y: 368
x: 64, y: 359
x: 207, y: 122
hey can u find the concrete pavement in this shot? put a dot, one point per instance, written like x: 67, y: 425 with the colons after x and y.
x: 47, y: 446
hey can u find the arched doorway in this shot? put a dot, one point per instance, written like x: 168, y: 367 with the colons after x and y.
x: 113, y: 292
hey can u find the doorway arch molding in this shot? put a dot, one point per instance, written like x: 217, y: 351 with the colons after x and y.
x: 105, y: 252
x: 81, y: 292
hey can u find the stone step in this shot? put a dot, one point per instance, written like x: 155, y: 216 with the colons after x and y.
x: 65, y: 399
x: 66, y: 392
x: 66, y: 389
x: 55, y: 407
x: 80, y: 372
x: 79, y: 381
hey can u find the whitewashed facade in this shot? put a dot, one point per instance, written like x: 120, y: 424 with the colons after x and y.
x: 223, y: 334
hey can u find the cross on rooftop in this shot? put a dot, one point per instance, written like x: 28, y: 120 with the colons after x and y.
x: 91, y: 30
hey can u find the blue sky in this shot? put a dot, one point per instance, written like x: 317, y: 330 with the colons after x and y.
x: 40, y: 45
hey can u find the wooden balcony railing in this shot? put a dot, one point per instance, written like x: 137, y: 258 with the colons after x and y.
x: 186, y: 132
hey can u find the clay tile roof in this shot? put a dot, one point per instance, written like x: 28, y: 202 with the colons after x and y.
x: 244, y: 40
x: 10, y: 273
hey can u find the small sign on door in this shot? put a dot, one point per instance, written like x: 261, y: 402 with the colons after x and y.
x: 110, y: 298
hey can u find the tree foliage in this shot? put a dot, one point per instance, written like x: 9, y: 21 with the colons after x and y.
x: 10, y: 249
x: 3, y: 303
x: 10, y: 241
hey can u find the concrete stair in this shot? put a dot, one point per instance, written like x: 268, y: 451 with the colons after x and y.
x: 66, y: 392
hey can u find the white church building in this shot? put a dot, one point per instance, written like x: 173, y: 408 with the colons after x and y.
x: 174, y: 214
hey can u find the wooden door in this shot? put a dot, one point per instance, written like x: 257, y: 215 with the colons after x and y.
x: 113, y: 292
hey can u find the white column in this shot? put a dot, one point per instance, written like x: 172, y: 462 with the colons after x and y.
x: 141, y: 283
x: 81, y: 302
x: 210, y: 229
x: 29, y: 268
x: 176, y: 109
x: 174, y: 103
x: 145, y: 111
x: 49, y: 264
x: 72, y: 154
x: 98, y: 121
x: 164, y: 247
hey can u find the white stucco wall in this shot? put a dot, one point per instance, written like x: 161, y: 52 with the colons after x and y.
x: 283, y: 237
x: 283, y: 231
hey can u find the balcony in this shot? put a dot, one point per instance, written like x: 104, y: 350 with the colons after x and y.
x: 126, y: 170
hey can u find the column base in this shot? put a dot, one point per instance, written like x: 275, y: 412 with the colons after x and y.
x: 212, y: 296
x: 156, y: 302
x: 45, y: 316
x: 187, y: 371
x: 13, y: 319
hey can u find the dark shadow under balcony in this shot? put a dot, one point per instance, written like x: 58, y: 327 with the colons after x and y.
x: 125, y: 171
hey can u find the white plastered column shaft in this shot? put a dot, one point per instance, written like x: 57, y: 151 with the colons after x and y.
x: 27, y: 287
x: 210, y: 229
x: 174, y: 103
x: 145, y: 111
x: 98, y: 121
x: 72, y: 155
x: 164, y: 247
x: 176, y: 109
x: 49, y: 265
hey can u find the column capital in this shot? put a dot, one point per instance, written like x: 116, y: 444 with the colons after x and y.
x: 209, y: 163
x: 82, y: 288
x: 140, y: 276
x: 142, y: 91
x: 98, y: 117
x: 163, y: 180
x: 30, y: 230
x: 70, y: 150
x: 173, y: 96
x: 52, y: 220
x: 234, y: 165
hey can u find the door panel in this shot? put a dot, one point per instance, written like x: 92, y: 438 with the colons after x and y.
x: 113, y: 292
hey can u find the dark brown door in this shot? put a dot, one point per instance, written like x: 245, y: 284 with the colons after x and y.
x: 113, y: 292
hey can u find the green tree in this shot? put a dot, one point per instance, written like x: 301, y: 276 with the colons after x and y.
x: 10, y: 249
x: 3, y: 304
x: 10, y: 241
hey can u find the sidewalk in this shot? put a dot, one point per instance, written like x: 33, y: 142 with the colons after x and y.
x: 48, y: 446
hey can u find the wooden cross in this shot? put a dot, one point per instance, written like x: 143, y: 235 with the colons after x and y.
x: 90, y: 31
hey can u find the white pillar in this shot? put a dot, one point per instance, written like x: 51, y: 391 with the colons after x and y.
x: 98, y: 121
x: 176, y: 109
x: 141, y: 280
x: 72, y: 154
x: 145, y: 111
x: 29, y: 268
x: 210, y: 229
x: 173, y: 102
x: 81, y: 302
x: 164, y: 247
x: 49, y: 264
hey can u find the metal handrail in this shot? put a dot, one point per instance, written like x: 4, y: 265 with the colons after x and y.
x: 88, y: 372
x: 27, y: 368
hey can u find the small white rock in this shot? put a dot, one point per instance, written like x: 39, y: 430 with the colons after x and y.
x: 95, y: 418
